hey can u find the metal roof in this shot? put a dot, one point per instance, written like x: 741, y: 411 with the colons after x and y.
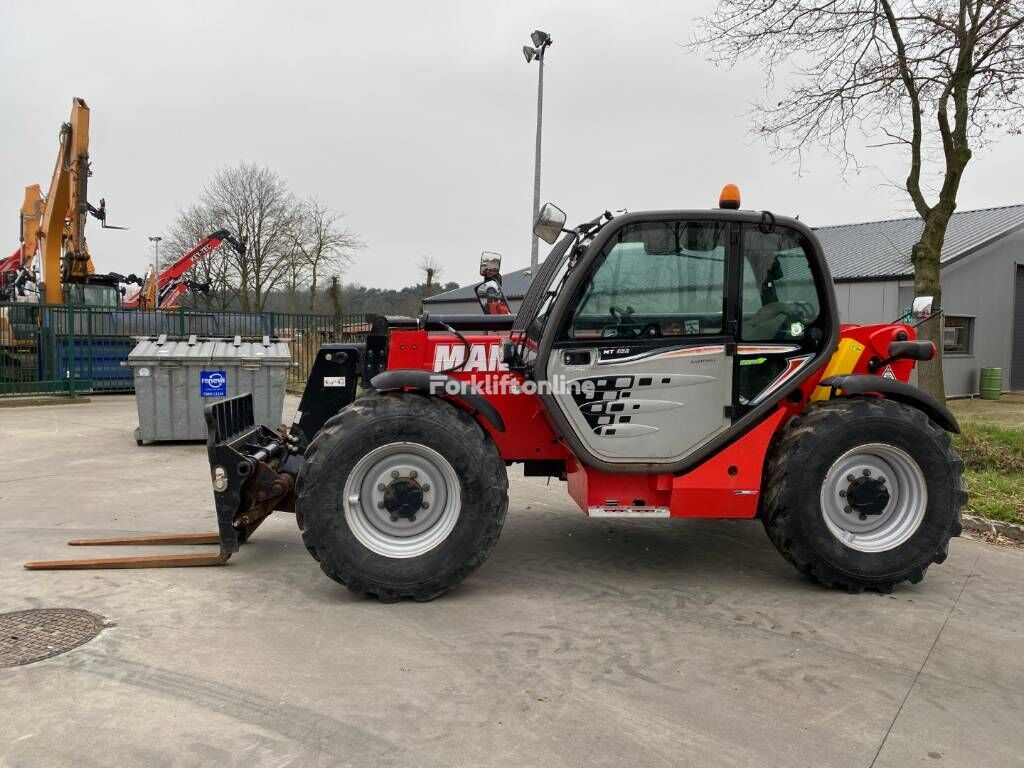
x: 872, y: 250
x: 881, y: 249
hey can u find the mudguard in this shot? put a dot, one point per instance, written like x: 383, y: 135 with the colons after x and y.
x: 435, y: 384
x: 901, y: 392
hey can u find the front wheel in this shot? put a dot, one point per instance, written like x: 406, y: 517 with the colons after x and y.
x: 401, y: 495
x: 863, y: 493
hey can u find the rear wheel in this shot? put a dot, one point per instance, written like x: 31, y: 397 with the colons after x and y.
x: 401, y: 496
x: 863, y: 493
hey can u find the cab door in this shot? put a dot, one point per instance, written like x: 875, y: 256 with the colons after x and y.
x: 642, y: 367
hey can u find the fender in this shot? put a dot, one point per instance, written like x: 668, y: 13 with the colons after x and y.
x: 901, y: 392
x: 430, y: 383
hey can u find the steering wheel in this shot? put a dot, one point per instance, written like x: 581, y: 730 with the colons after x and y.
x: 803, y: 311
x: 622, y: 316
x: 627, y: 326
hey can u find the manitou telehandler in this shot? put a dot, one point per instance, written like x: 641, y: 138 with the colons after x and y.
x: 664, y: 364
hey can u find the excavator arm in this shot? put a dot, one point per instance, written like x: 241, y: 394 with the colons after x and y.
x: 66, y: 258
x: 65, y: 252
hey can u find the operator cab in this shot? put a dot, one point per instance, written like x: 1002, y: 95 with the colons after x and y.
x: 96, y: 291
x: 671, y: 331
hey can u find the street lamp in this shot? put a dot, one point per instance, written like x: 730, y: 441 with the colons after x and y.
x: 541, y: 41
x: 155, y: 240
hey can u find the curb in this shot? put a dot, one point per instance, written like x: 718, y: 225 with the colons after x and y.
x: 1011, y: 531
x: 25, y: 402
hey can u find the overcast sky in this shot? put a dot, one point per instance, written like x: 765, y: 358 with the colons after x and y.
x: 414, y: 118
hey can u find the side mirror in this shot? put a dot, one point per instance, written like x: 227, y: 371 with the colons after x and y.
x: 549, y: 224
x: 492, y: 298
x: 922, y: 307
x: 490, y: 264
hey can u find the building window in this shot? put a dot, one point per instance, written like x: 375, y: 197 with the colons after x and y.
x: 957, y: 335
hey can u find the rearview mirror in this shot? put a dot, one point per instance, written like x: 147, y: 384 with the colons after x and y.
x: 549, y: 223
x: 922, y: 307
x: 492, y: 298
x: 490, y: 263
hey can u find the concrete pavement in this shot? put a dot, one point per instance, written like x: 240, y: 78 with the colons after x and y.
x: 580, y: 642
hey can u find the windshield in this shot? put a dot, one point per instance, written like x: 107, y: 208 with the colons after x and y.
x: 83, y: 294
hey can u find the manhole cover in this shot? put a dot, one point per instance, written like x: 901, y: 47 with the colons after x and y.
x: 27, y: 636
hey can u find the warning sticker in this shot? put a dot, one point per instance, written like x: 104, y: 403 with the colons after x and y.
x: 334, y: 381
x: 887, y: 373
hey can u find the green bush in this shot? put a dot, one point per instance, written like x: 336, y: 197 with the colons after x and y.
x: 994, y: 460
x: 988, y: 447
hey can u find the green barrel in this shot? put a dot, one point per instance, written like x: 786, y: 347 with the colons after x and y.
x: 991, y: 383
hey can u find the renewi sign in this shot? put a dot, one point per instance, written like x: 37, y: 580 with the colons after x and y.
x: 213, y: 384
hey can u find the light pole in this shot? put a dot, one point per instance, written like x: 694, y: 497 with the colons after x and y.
x: 541, y: 41
x: 155, y: 240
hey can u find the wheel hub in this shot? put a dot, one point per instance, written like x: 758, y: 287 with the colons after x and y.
x: 874, y: 497
x: 867, y: 496
x: 402, y: 499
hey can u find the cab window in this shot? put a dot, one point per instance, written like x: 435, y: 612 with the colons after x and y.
x: 779, y: 297
x: 656, y: 279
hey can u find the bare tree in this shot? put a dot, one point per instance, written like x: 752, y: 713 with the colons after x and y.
x: 321, y: 244
x: 290, y: 244
x: 932, y: 78
x: 431, y: 269
x: 256, y: 204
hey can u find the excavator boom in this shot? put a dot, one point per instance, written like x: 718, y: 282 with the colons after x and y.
x: 65, y: 253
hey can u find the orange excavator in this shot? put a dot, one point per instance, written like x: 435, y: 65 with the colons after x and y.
x: 55, y: 226
x: 17, y: 271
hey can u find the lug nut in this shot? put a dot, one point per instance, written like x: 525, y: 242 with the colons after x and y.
x: 412, y: 518
x: 394, y: 473
x: 412, y: 474
x: 425, y: 505
x: 863, y: 516
x: 850, y: 478
x: 426, y: 487
x: 381, y: 486
x: 394, y: 518
x: 847, y: 510
x: 867, y: 473
x: 842, y: 494
x: 881, y: 480
x: 380, y: 505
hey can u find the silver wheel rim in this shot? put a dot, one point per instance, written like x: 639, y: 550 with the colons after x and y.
x: 396, y: 473
x: 894, y: 522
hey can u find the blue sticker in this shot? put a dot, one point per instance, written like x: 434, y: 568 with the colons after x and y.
x: 213, y: 384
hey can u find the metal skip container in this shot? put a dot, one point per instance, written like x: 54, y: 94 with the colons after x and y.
x: 176, y: 378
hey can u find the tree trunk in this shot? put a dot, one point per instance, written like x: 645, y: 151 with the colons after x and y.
x: 927, y: 282
x: 335, y: 292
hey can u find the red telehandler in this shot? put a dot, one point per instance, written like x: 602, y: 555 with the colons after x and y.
x: 664, y: 364
x: 173, y: 281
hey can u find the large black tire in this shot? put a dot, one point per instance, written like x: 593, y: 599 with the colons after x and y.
x: 792, y: 507
x: 380, y: 420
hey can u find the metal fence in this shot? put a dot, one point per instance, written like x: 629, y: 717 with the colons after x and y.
x: 58, y: 349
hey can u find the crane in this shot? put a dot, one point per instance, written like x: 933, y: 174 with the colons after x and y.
x: 172, y: 281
